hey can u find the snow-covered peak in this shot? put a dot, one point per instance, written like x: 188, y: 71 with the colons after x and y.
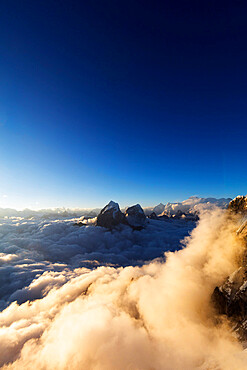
x: 111, y: 205
x: 195, y: 205
x: 159, y: 208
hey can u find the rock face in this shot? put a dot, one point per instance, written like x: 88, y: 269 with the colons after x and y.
x: 238, y: 205
x: 110, y: 216
x: 163, y: 217
x: 231, y: 297
x: 135, y: 217
x: 153, y: 216
x: 179, y: 214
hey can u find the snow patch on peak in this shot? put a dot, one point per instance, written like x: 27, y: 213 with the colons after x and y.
x: 111, y: 206
x: 195, y: 204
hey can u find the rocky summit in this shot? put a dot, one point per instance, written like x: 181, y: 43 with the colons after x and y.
x: 238, y: 205
x: 135, y: 217
x: 153, y: 216
x: 230, y: 298
x: 110, y: 216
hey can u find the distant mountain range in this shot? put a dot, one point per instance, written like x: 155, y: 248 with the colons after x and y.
x: 191, y: 205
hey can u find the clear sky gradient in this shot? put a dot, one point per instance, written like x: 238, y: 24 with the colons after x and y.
x: 135, y: 101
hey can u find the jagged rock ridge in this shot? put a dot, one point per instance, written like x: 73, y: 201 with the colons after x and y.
x: 111, y: 216
x: 230, y: 298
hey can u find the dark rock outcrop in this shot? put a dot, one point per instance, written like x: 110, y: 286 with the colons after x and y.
x: 191, y: 217
x: 153, y: 216
x: 110, y: 216
x: 230, y: 298
x: 178, y: 215
x: 163, y: 217
x: 238, y: 205
x: 185, y: 216
x: 135, y: 217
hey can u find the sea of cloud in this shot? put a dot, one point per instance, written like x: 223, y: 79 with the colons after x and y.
x: 127, y: 313
x: 30, y: 246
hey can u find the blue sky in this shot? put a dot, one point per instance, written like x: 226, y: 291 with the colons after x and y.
x: 130, y: 101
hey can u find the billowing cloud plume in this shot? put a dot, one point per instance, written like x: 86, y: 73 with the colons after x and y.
x: 155, y: 316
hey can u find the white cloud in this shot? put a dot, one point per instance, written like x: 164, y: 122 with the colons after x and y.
x: 88, y: 297
x: 33, y: 245
x: 158, y: 316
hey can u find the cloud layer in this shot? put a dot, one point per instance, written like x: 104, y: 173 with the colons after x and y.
x: 31, y: 246
x: 155, y: 316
